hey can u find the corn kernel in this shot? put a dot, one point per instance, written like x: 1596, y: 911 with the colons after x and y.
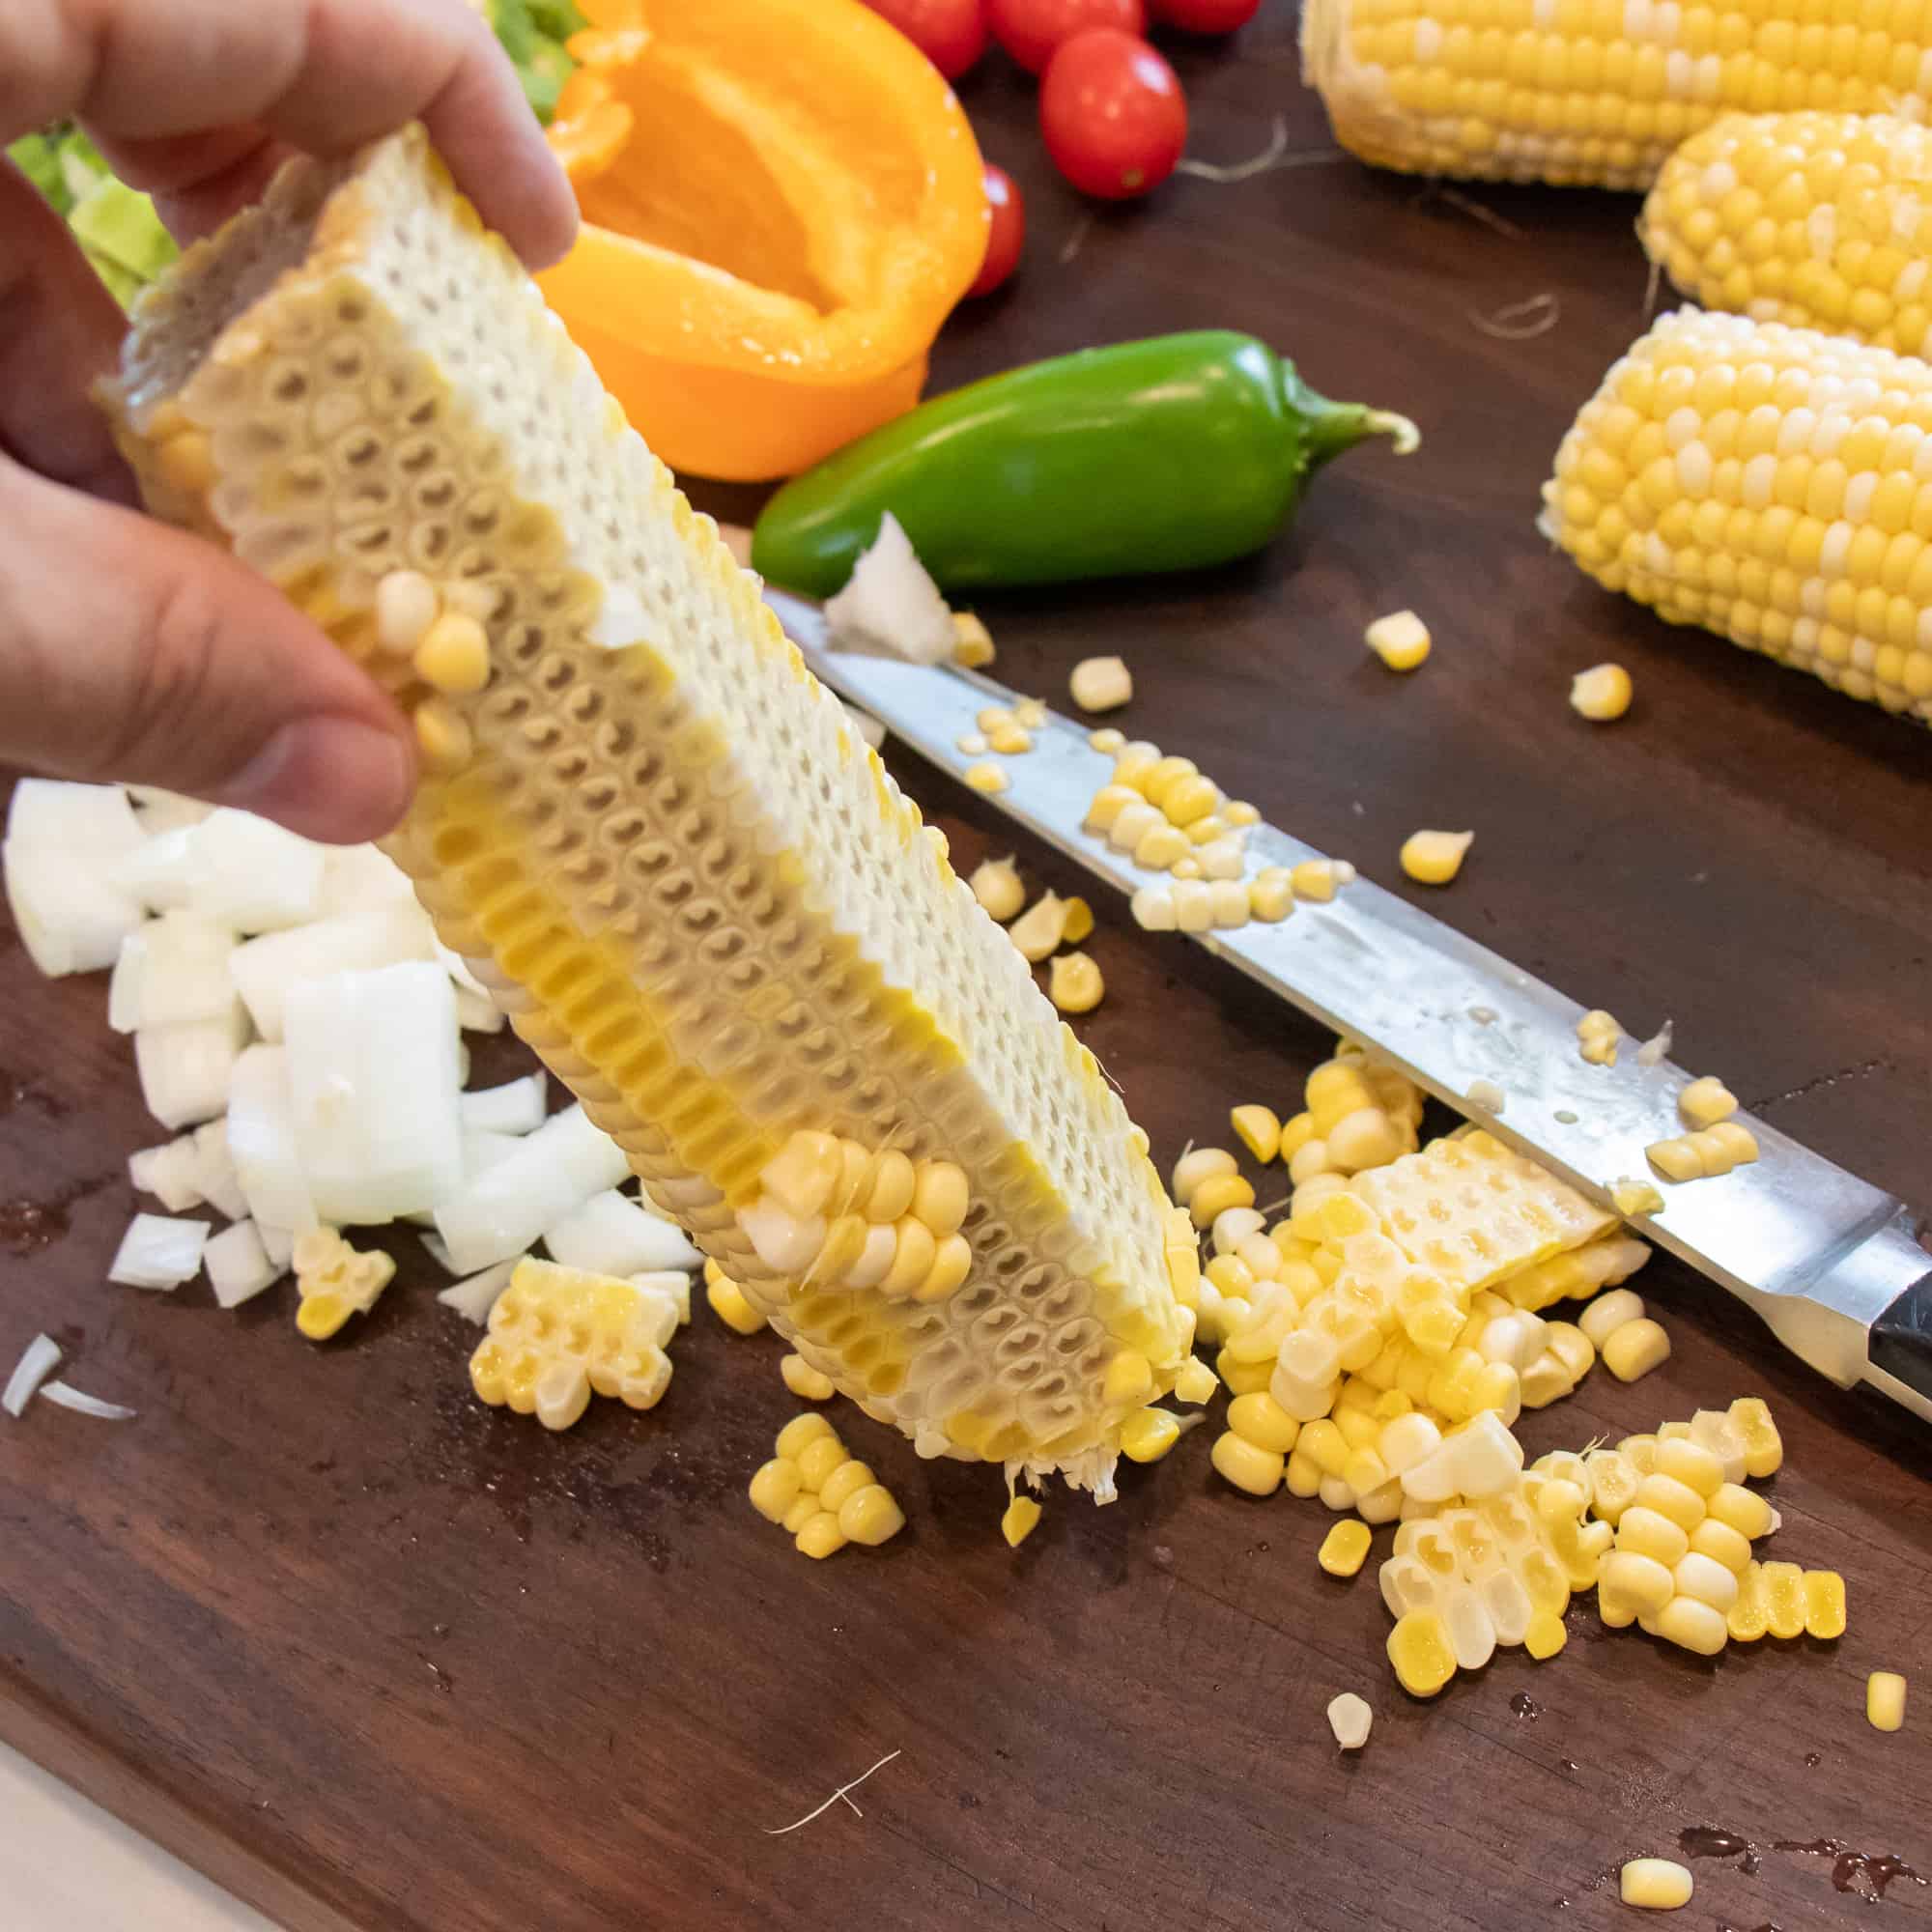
x: 1344, y: 1547
x: 775, y: 1488
x: 1106, y: 739
x: 1545, y: 1636
x: 1640, y: 1581
x: 1764, y: 1447
x: 1654, y: 1884
x: 1079, y: 922
x: 1608, y: 1313
x: 1259, y: 1129
x: 1260, y: 1419
x: 1823, y: 1603
x: 1692, y: 1464
x: 1635, y: 1349
x: 1692, y: 1624
x: 1706, y: 1101
x: 1349, y: 1717
x: 1022, y: 1517
x: 1722, y: 1543
x: 1148, y: 1436
x: 804, y: 1507
x: 848, y: 1479
x: 406, y: 607
x: 1643, y: 1532
x: 1885, y: 1700
x: 454, y: 655
x: 1668, y: 1497
x: 1401, y: 639
x: 801, y: 1433
x: 819, y: 1460
x: 819, y: 1536
x: 1318, y: 880
x: 1435, y: 858
x: 1074, y: 984
x: 986, y: 778
x: 1215, y: 1194
x: 1785, y: 1598
x: 1421, y: 1651
x: 1197, y: 1165
x: 1009, y: 741
x: 1601, y: 693
x: 996, y: 885
x: 1257, y: 1471
x: 1101, y: 684
x: 1038, y: 931
x: 1270, y: 896
x: 972, y: 642
x: 805, y: 1382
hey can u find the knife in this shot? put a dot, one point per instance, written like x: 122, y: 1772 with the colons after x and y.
x: 1834, y: 1266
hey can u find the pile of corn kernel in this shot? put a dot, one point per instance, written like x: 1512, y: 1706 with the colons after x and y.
x: 1074, y: 983
x: 820, y: 1493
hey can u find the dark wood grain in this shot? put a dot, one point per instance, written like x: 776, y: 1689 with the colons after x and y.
x: 380, y: 1657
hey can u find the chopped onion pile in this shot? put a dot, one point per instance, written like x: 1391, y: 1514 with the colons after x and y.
x: 299, y: 1025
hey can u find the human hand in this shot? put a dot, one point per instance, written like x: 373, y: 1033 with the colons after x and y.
x: 129, y: 650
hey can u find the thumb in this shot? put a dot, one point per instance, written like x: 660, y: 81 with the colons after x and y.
x: 135, y: 652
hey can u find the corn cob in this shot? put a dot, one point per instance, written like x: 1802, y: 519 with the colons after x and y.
x: 1821, y: 220
x: 1771, y: 484
x: 700, y: 898
x: 1587, y: 93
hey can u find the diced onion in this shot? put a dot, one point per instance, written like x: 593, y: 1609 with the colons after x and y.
x: 552, y: 1173
x: 609, y: 1235
x: 890, y: 606
x: 517, y: 1107
x: 159, y: 1252
x: 36, y: 1363
x: 475, y: 1296
x: 85, y: 1404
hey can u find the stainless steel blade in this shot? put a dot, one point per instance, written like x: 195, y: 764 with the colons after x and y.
x: 1820, y: 1255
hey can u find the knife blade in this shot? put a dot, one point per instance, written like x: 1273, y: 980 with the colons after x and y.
x: 1834, y: 1266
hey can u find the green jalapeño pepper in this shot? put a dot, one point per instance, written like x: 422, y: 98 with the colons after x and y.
x: 1169, y: 454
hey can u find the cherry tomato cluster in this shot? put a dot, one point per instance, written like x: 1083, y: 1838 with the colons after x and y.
x: 1111, y: 110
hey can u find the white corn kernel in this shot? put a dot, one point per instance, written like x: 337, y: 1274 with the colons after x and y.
x: 1039, y: 929
x: 1601, y: 693
x: 1608, y: 1313
x: 1153, y: 909
x: 1654, y: 1884
x: 996, y: 885
x: 1401, y: 639
x: 1101, y: 684
x: 406, y: 607
x: 1435, y: 858
x: 1349, y: 1719
x: 1194, y: 906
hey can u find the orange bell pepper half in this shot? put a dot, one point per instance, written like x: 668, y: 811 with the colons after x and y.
x: 781, y: 203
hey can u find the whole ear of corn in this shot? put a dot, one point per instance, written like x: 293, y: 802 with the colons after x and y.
x: 1590, y: 93
x: 1821, y: 220
x: 702, y: 900
x: 1771, y: 484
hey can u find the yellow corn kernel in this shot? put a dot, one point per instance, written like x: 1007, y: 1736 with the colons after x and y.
x: 1690, y: 1464
x: 454, y: 655
x: 1823, y: 1603
x: 1148, y: 1436
x: 1632, y: 1198
x: 1074, y: 984
x: 1670, y: 1497
x: 1038, y: 931
x: 819, y: 1536
x: 1318, y: 880
x: 1217, y: 1193
x: 1010, y: 740
x: 986, y: 778
x: 1596, y: 1036
x: 1692, y: 1624
x: 1885, y: 1700
x: 1785, y: 1598
x: 1704, y: 1102
x: 1258, y: 1129
x: 1242, y: 1377
x: 846, y: 1480
x: 1602, y: 694
x: 1644, y: 1531
x: 1642, y: 1582
x: 996, y: 885
x: 804, y: 1507
x: 1195, y: 1381
x: 1749, y: 1616
x: 1635, y: 1349
x: 1239, y: 813
x: 1260, y: 1419
x: 1106, y: 739
x: 1764, y: 1447
x: 1435, y: 858
x: 1545, y: 1636
x: 992, y: 718
x: 558, y: 1334
x: 1079, y: 922
x: 1031, y: 712
x: 1654, y: 1884
x: 1196, y: 1166
x: 1104, y: 809
x: 819, y: 1461
x: 1401, y: 639
x: 1188, y: 800
x: 1101, y: 684
x: 1421, y: 1651
x: 1270, y: 896
x: 1257, y: 1471
x: 870, y: 1515
x: 801, y: 1433
x: 1022, y: 1517
x: 775, y: 1488
x: 1345, y: 1548
x: 971, y: 641
x: 1722, y: 1543
x: 729, y: 1303
x: 805, y: 1382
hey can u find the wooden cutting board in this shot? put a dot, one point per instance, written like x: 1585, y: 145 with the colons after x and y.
x: 378, y: 1658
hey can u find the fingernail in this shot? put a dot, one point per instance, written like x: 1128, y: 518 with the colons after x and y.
x: 333, y: 778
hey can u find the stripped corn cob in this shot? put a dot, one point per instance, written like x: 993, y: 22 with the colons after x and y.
x: 1771, y: 484
x: 1821, y: 220
x: 698, y: 896
x: 1589, y: 93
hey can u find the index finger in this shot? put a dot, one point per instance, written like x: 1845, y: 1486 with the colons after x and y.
x: 324, y: 76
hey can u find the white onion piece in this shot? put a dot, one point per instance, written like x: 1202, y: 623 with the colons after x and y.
x: 890, y: 606
x: 238, y: 1264
x: 481, y: 1152
x: 262, y: 1144
x: 171, y: 970
x: 277, y: 1244
x: 85, y: 1404
x: 674, y: 1284
x: 252, y: 876
x: 186, y: 1070
x: 41, y: 1358
x: 161, y: 811
x: 611, y: 1236
x: 477, y: 1013
x: 553, y: 1172
x: 265, y: 968
x: 438, y: 1251
x: 63, y: 844
x: 157, y: 874
x: 215, y: 1174
x: 374, y: 1074
x: 158, y: 1251
x: 169, y: 1173
x: 474, y: 1297
x: 460, y: 970
x: 1657, y: 1048
x: 517, y: 1107
x: 359, y: 879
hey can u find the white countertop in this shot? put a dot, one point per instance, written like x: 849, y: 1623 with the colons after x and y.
x: 66, y: 1864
